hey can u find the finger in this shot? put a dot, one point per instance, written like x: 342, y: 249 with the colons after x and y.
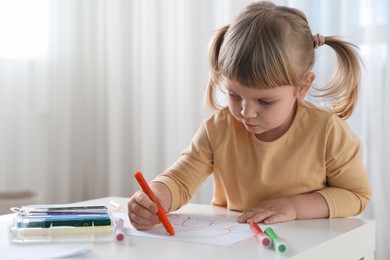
x: 146, y: 202
x: 258, y: 215
x: 140, y: 217
x: 138, y: 220
x: 139, y: 210
x: 140, y: 223
x: 143, y: 212
x: 245, y: 216
x: 276, y: 218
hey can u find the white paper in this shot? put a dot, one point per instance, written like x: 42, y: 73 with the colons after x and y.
x: 193, y: 228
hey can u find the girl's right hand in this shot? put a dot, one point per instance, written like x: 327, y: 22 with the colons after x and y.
x: 142, y: 211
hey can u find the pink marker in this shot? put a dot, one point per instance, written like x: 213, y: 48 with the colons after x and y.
x: 119, y: 230
x: 264, y: 240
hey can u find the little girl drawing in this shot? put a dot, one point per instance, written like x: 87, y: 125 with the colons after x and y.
x: 274, y: 156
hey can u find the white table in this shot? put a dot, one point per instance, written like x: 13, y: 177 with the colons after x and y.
x: 344, y: 238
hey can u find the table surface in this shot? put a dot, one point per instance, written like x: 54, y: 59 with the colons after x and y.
x: 342, y: 238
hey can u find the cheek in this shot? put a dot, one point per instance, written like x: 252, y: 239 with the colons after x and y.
x: 280, y: 114
x: 234, y: 108
x: 273, y: 116
x: 270, y: 119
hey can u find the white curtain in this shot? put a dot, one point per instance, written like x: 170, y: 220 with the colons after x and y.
x: 93, y: 90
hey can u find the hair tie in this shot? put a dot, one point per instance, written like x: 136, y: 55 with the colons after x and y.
x: 318, y: 40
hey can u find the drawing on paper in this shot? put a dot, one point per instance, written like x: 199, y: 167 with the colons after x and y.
x: 185, y: 225
x: 203, y: 229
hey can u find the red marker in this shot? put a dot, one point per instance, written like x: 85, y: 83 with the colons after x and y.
x: 160, y: 213
x: 264, y: 240
x: 119, y: 230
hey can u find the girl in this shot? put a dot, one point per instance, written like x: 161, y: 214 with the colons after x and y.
x: 274, y: 156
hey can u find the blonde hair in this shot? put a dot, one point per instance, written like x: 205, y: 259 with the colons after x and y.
x: 269, y: 46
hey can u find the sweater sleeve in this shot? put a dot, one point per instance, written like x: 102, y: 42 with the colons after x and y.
x: 348, y: 190
x: 192, y: 168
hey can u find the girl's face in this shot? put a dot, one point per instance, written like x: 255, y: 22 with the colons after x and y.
x: 268, y: 113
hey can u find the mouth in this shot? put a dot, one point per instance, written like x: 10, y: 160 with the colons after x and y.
x: 249, y: 125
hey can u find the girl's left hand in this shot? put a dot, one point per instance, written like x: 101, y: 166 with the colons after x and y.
x: 270, y: 211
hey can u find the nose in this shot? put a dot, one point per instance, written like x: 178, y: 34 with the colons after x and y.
x: 247, y: 110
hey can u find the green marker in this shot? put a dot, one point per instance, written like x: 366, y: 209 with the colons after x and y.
x: 279, y: 245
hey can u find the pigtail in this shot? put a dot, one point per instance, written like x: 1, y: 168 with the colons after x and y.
x: 215, y: 75
x: 344, y: 85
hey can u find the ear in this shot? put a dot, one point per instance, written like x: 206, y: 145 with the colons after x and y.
x: 304, y: 87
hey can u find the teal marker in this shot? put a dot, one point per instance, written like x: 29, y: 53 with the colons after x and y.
x: 279, y: 245
x: 48, y: 221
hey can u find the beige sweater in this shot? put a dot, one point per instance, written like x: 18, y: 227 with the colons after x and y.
x: 318, y: 153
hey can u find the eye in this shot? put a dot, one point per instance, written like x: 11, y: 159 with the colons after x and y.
x: 266, y: 102
x: 232, y: 95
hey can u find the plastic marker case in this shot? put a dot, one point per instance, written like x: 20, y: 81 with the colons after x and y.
x: 61, y: 224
